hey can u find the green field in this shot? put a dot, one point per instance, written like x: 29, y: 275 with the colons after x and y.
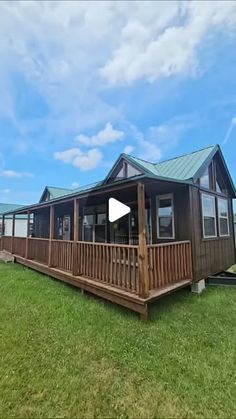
x: 64, y: 354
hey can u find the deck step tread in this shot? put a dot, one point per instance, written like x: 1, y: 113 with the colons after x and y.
x: 6, y: 257
x: 154, y: 294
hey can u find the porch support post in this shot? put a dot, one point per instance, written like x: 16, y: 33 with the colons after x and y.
x: 3, y: 232
x: 51, y: 234
x: 142, y: 250
x: 76, y: 237
x: 13, y: 232
x: 3, y: 225
x: 27, y: 236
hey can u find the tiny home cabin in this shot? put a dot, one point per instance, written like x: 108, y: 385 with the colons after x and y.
x: 179, y: 229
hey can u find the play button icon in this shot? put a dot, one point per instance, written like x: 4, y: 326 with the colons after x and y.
x: 117, y: 209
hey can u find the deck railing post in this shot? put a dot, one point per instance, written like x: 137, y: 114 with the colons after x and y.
x: 142, y: 249
x: 75, y: 264
x: 51, y: 234
x: 13, y: 233
x: 3, y: 225
x: 27, y: 236
x: 3, y: 232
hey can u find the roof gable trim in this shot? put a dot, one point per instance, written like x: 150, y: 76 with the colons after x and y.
x: 202, y: 169
x: 128, y: 160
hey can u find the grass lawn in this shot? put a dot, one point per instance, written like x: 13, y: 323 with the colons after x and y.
x: 64, y: 354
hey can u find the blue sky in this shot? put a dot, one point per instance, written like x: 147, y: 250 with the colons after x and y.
x: 82, y: 82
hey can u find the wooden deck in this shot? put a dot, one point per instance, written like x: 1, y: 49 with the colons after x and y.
x: 110, y: 271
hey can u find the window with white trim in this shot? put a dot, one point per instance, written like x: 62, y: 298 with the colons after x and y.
x: 209, y: 216
x: 165, y: 217
x: 223, y: 217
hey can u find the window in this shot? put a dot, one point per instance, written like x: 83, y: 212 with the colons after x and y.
x: 220, y: 185
x: 124, y: 170
x: 165, y: 217
x: 205, y: 179
x: 101, y: 218
x: 94, y: 224
x: 223, y: 217
x: 209, y: 216
x: 132, y: 171
x: 100, y: 227
x: 88, y: 227
x: 120, y: 175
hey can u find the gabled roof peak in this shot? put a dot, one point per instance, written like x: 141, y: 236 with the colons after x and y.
x: 171, y: 158
x: 212, y: 147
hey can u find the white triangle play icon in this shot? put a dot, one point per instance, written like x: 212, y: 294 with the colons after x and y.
x: 117, y: 209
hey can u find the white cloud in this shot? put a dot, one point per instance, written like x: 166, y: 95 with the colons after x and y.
x: 69, y: 53
x: 14, y: 174
x: 157, y: 140
x: 103, y: 137
x: 83, y: 160
x: 150, y: 151
x: 75, y: 185
x: 67, y: 156
x: 230, y: 129
x: 146, y: 52
x: 60, y: 48
x: 128, y: 149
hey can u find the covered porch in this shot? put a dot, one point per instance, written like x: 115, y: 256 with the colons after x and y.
x: 125, y: 262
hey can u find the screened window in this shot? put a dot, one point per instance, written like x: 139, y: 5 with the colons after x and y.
x: 205, y: 179
x: 209, y: 216
x: 223, y: 217
x: 165, y: 217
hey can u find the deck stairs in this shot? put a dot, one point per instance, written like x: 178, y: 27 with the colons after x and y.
x: 6, y: 257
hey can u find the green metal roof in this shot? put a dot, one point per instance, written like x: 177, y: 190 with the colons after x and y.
x: 56, y: 192
x: 59, y: 192
x: 87, y: 187
x: 179, y: 168
x: 8, y: 207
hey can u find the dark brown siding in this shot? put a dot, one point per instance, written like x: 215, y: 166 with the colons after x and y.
x: 181, y: 212
x: 210, y: 256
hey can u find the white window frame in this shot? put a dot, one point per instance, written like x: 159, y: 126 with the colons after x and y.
x: 225, y: 218
x: 203, y: 228
x: 158, y: 198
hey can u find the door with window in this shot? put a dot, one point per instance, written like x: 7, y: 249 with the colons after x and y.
x: 66, y: 227
x: 125, y: 230
x: 94, y: 224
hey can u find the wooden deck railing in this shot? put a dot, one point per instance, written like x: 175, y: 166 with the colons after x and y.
x: 19, y: 246
x: 6, y: 243
x: 112, y: 264
x: 169, y: 263
x: 116, y: 265
x: 62, y: 255
x: 38, y: 250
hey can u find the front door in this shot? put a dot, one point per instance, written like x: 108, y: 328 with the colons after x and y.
x: 66, y: 227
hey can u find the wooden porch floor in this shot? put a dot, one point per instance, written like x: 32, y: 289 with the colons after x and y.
x: 115, y: 295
